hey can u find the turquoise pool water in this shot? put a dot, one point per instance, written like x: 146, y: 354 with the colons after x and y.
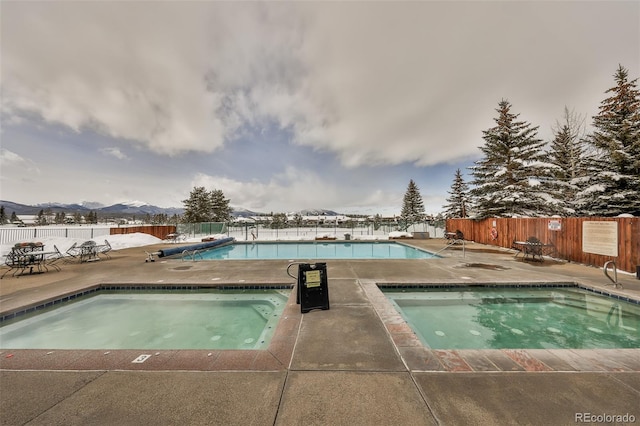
x: 222, y: 319
x: 315, y: 250
x: 519, y: 318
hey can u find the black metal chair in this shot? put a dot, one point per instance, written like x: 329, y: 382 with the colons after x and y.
x: 533, y: 248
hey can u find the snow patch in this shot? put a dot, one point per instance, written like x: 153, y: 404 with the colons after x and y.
x: 400, y: 234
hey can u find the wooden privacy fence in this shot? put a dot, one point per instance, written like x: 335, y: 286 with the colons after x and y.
x: 567, y: 240
x: 160, y: 231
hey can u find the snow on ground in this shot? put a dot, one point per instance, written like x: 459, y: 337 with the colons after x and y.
x: 400, y: 234
x: 117, y: 242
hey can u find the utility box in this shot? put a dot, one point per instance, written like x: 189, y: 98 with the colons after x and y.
x: 313, y: 288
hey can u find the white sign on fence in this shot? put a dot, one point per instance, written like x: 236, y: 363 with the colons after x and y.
x: 600, y: 237
x: 555, y: 225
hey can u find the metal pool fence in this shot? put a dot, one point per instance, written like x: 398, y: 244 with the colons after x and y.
x: 240, y: 231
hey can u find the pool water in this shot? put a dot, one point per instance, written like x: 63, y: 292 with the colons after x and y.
x: 316, y: 250
x: 519, y: 318
x: 222, y: 319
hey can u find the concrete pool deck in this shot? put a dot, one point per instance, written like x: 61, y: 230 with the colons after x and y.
x: 356, y: 363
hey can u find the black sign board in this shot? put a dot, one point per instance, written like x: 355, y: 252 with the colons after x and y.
x: 313, y: 289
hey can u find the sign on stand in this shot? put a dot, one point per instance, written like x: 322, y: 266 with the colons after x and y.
x: 313, y: 289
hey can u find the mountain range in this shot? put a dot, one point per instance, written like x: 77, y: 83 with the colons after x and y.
x: 127, y: 209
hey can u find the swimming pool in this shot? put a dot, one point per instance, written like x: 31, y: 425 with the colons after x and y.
x: 518, y: 318
x: 315, y: 250
x: 211, y: 319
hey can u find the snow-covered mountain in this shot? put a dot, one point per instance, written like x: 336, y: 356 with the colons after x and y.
x: 317, y: 212
x: 138, y: 207
x: 127, y: 208
x: 242, y: 212
x: 132, y: 208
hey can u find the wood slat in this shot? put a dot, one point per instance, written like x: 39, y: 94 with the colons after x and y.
x: 567, y: 241
x: 159, y: 231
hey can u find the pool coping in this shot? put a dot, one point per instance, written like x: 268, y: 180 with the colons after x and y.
x: 419, y: 358
x: 433, y: 255
x: 276, y: 357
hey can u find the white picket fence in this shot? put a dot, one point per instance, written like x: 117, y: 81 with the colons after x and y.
x: 32, y: 233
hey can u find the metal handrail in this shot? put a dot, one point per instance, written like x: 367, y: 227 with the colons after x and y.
x: 614, y: 280
x: 289, y: 266
x: 452, y: 243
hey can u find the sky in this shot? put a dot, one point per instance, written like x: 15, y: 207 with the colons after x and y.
x: 286, y: 105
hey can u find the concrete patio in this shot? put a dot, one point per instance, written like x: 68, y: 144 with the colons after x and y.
x: 357, y: 363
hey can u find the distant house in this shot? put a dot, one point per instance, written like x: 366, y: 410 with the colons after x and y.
x: 26, y: 220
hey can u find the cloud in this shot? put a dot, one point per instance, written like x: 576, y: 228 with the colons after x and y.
x: 374, y: 83
x: 114, y: 152
x: 282, y: 192
x: 293, y: 189
x: 8, y: 158
x: 13, y: 163
x: 16, y: 170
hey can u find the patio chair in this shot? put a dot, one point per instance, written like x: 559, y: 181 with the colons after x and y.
x: 11, y: 261
x: 533, y: 248
x: 52, y: 258
x: 72, y: 253
x: 104, y: 249
x: 88, y: 251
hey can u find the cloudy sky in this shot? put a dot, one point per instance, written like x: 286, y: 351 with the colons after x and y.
x: 286, y: 105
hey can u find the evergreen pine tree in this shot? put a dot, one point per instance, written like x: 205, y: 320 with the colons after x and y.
x: 412, y: 206
x: 613, y: 184
x: 198, y: 207
x: 567, y: 153
x: 220, y: 209
x: 3, y: 216
x: 377, y: 221
x: 458, y: 202
x: 14, y: 217
x: 510, y: 180
x: 278, y: 221
x: 42, y: 219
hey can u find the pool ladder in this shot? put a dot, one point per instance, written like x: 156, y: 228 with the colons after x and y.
x: 613, y: 280
x: 192, y: 254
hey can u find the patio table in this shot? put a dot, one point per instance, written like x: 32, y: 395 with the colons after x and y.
x: 28, y: 256
x: 528, y: 248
